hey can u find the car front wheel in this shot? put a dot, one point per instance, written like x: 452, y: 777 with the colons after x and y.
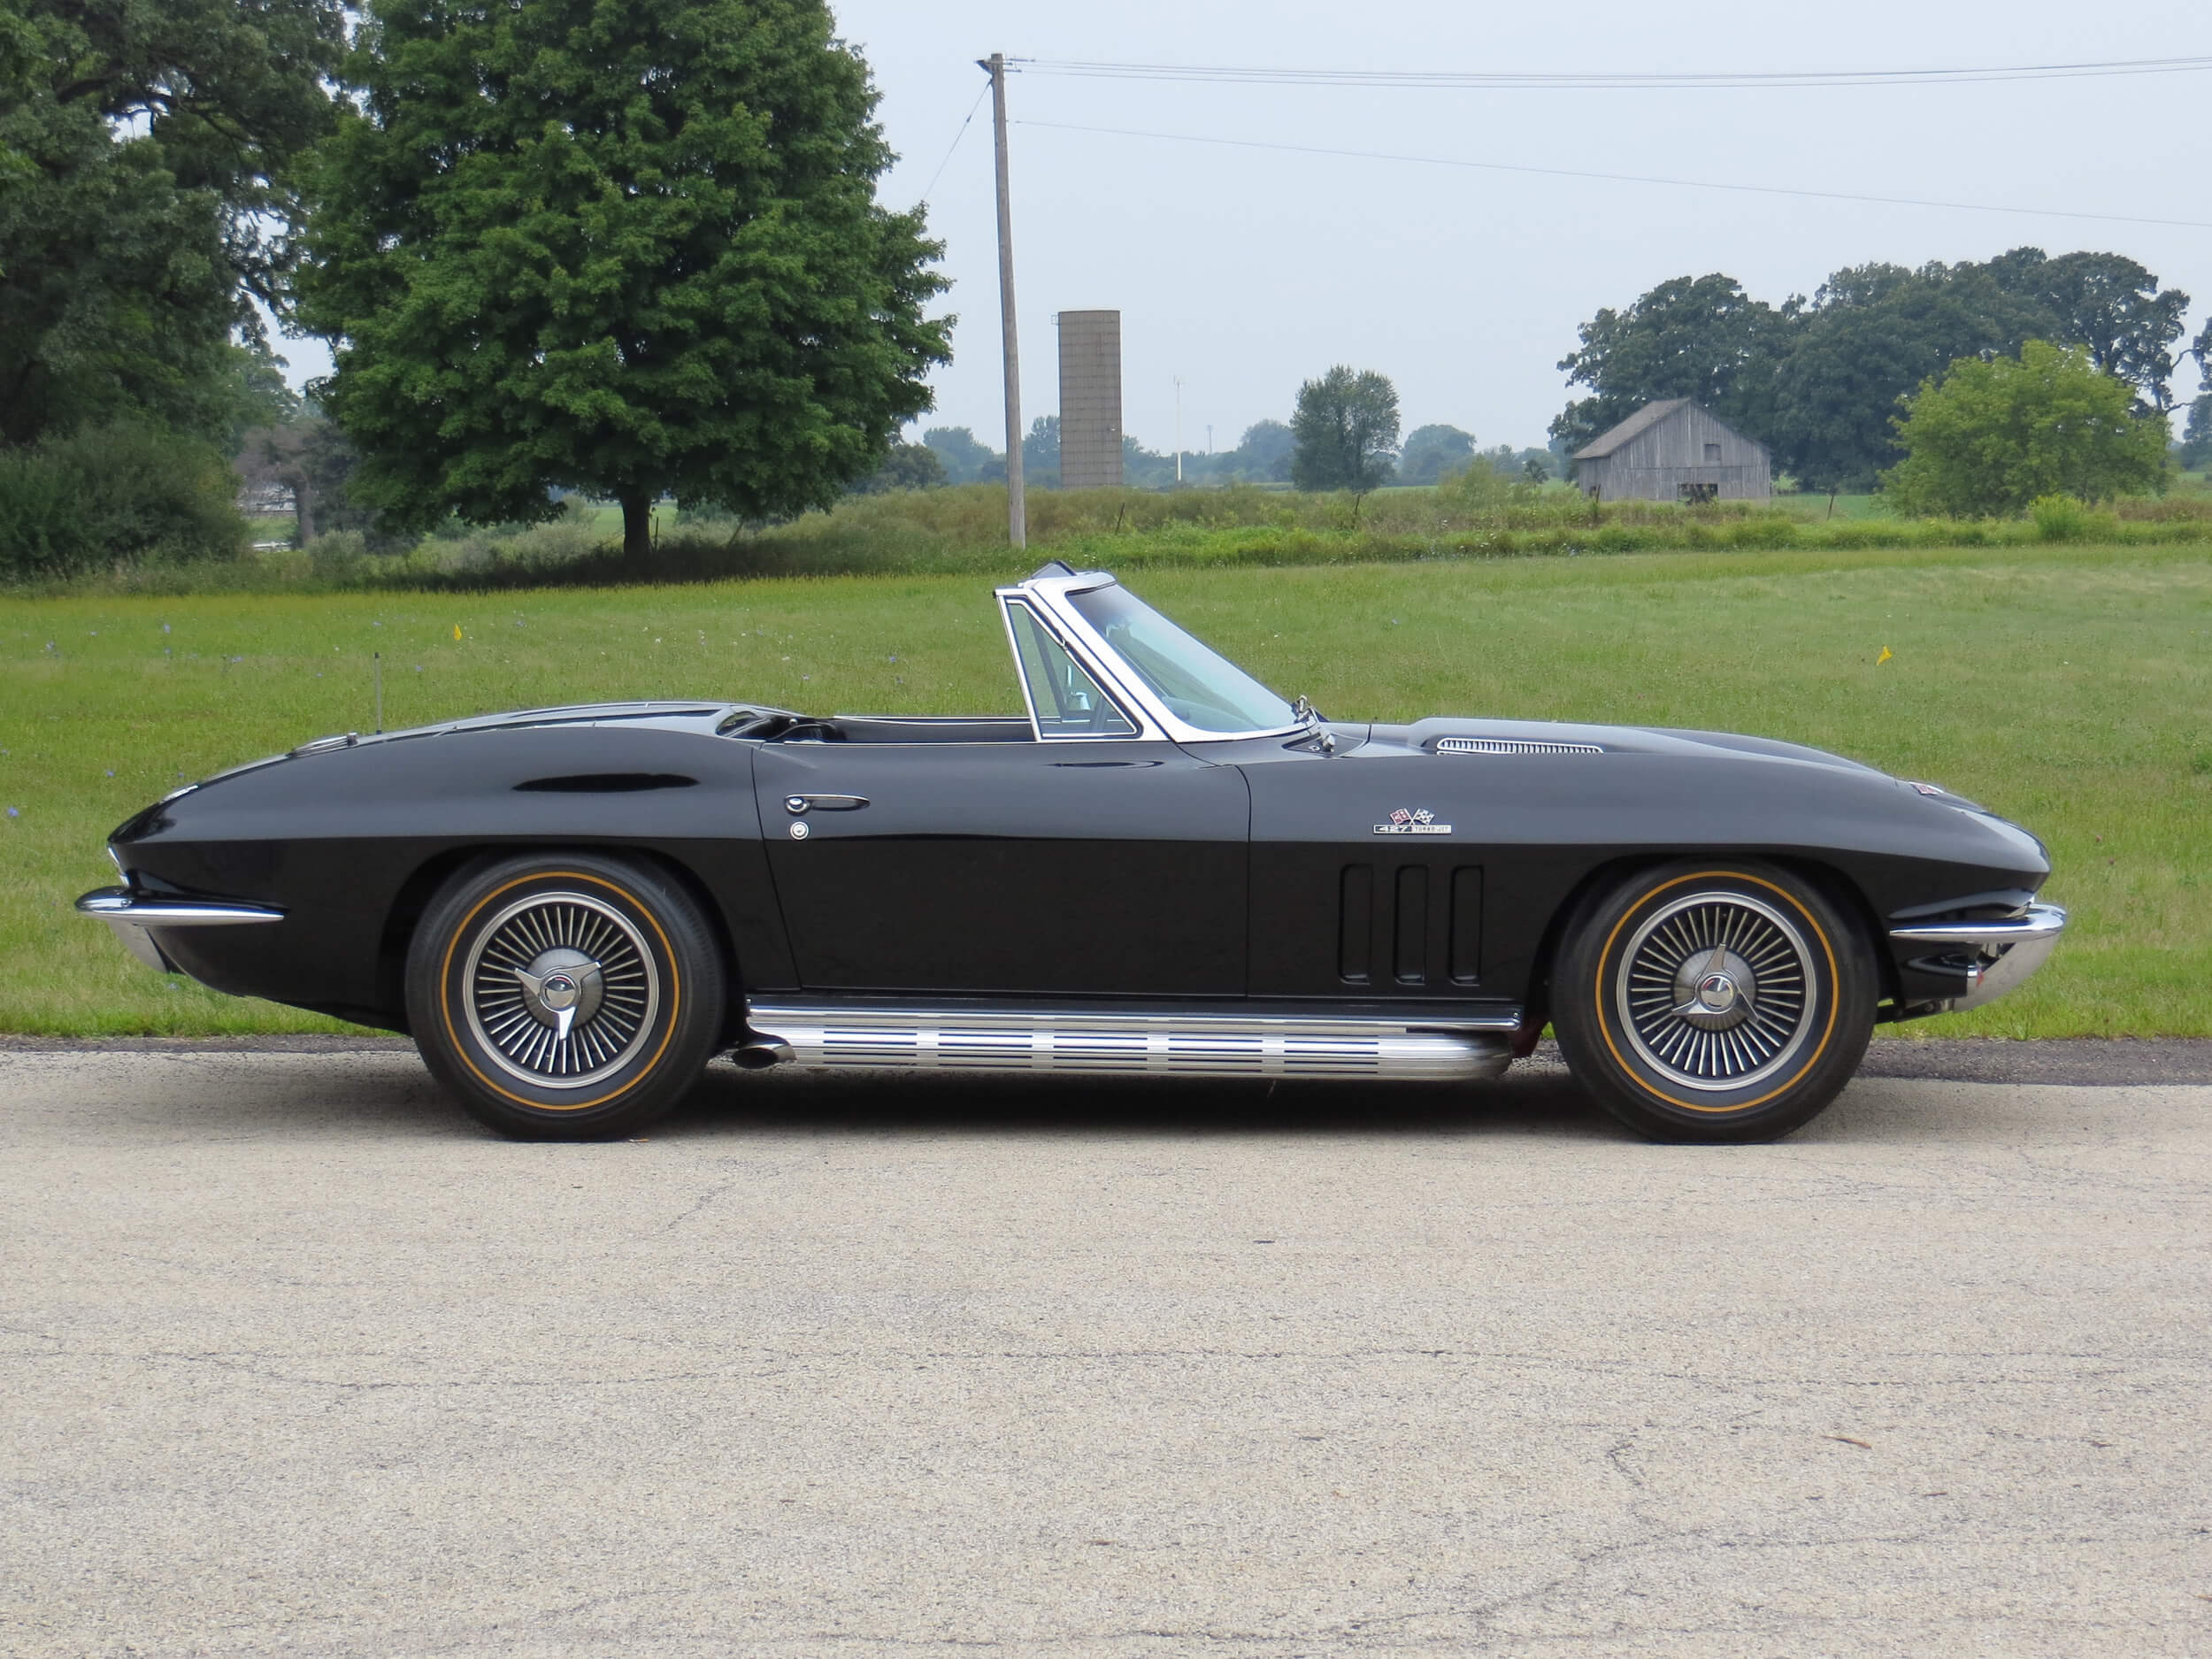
x: 565, y: 996
x: 1714, y: 1001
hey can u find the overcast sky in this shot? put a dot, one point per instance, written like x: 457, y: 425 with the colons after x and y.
x: 1244, y: 271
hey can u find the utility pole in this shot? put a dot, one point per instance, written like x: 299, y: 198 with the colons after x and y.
x: 1016, y: 508
x: 1179, y: 428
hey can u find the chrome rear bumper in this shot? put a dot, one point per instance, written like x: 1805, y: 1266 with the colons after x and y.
x: 131, y: 914
x: 1987, y: 959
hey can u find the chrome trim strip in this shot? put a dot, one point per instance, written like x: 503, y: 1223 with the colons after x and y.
x: 130, y: 916
x: 2041, y: 922
x: 1170, y: 1045
x: 115, y: 905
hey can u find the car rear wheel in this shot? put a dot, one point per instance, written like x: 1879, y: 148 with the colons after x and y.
x: 1714, y: 1001
x: 565, y: 996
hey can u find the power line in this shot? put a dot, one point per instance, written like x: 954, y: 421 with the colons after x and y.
x: 956, y: 137
x: 1625, y: 178
x: 1584, y: 81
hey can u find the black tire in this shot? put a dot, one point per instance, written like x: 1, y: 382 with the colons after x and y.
x: 509, y: 944
x: 1716, y: 1000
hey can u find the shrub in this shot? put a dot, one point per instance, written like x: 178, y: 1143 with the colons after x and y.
x: 335, y: 559
x: 1996, y: 434
x: 2058, y: 518
x: 40, y: 531
x: 112, y: 498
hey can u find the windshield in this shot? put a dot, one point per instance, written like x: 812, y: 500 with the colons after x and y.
x: 1200, y: 686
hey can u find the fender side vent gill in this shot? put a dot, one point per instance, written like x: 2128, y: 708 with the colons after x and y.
x: 606, y: 783
x: 1513, y: 746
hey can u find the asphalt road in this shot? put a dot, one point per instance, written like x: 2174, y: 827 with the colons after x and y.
x: 299, y: 1361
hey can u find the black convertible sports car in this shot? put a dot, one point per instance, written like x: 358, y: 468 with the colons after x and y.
x: 1162, y: 867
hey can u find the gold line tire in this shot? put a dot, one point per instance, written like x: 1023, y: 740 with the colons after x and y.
x: 565, y: 996
x: 1714, y: 1001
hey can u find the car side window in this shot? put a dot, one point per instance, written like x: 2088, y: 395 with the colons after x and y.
x: 1065, y: 699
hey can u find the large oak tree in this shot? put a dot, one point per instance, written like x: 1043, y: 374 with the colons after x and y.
x: 627, y: 247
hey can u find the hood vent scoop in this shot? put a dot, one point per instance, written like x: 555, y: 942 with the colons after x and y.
x: 1513, y: 746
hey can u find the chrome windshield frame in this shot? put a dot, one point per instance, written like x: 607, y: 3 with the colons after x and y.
x: 1050, y: 601
x: 1136, y: 714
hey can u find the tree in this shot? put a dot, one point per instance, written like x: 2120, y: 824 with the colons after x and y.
x: 276, y: 456
x: 1040, y: 453
x: 148, y: 151
x: 308, y: 456
x: 1432, y: 451
x: 908, y: 466
x: 1266, y: 451
x: 1995, y: 433
x: 2107, y: 303
x: 1143, y: 468
x: 1346, y: 429
x: 2196, y: 438
x: 628, y: 250
x: 967, y: 459
x: 1695, y: 337
x: 1871, y: 335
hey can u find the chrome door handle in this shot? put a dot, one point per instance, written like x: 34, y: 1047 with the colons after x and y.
x: 796, y: 804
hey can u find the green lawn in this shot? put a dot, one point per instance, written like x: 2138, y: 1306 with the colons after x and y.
x: 1814, y: 508
x: 2069, y: 687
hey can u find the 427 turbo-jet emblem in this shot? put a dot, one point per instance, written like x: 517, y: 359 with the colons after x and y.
x: 1413, y: 821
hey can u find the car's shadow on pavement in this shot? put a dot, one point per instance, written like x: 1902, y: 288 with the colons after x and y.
x: 1538, y: 1101
x: 307, y: 1094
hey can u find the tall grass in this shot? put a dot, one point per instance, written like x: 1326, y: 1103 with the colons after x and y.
x: 962, y: 531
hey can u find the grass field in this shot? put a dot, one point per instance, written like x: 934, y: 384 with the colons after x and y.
x: 2068, y: 687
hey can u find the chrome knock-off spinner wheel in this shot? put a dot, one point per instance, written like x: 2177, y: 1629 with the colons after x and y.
x: 561, y: 989
x: 1715, y: 990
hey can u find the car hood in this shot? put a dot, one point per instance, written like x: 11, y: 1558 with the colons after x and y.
x: 1448, y: 737
x: 1771, y: 765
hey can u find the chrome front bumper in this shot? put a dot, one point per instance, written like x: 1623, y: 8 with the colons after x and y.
x: 1986, y: 959
x: 132, y: 914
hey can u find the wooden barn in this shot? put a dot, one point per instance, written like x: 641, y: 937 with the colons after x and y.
x: 1674, y: 450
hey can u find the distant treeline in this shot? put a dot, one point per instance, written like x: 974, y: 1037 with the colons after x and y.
x: 1263, y: 455
x: 1820, y: 381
